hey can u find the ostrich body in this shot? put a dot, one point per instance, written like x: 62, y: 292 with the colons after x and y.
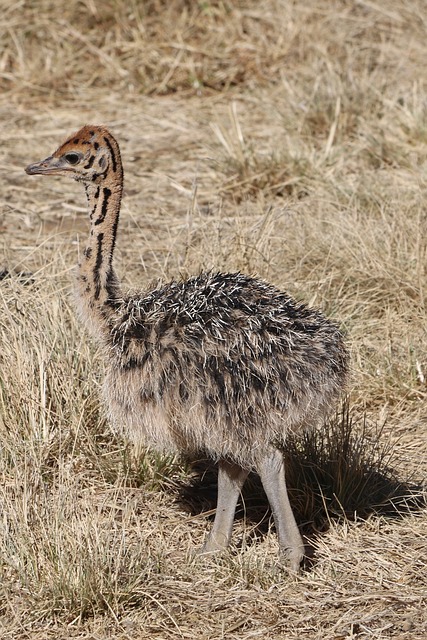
x: 220, y: 364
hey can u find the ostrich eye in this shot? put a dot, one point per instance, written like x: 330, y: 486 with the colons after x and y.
x: 72, y: 158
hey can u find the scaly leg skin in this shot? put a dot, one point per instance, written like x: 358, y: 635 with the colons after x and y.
x: 231, y: 478
x: 272, y: 474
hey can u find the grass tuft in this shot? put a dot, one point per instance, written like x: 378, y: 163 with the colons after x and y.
x: 347, y: 470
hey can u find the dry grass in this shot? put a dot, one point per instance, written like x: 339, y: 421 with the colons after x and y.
x: 281, y: 138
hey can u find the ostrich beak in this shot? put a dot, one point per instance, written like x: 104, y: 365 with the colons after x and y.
x: 47, y: 166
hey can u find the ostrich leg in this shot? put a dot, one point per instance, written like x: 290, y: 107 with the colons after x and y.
x: 231, y: 478
x: 272, y: 474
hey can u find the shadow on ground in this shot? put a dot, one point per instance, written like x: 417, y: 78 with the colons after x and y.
x: 343, y: 471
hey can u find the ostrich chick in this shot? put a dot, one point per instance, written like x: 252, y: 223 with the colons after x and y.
x: 221, y: 364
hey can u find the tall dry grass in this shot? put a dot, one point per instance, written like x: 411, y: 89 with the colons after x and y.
x: 286, y: 139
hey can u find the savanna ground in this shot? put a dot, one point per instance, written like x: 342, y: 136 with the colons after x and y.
x: 279, y: 138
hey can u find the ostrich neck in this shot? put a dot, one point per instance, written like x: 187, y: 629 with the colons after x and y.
x: 97, y: 284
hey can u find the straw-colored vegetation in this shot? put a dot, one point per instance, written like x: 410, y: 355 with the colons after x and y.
x: 282, y: 138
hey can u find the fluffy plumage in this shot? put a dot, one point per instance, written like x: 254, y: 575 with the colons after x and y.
x: 228, y: 364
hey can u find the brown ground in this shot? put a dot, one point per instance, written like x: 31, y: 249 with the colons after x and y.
x: 279, y: 138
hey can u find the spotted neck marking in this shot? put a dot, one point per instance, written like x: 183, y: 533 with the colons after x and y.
x: 98, y: 286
